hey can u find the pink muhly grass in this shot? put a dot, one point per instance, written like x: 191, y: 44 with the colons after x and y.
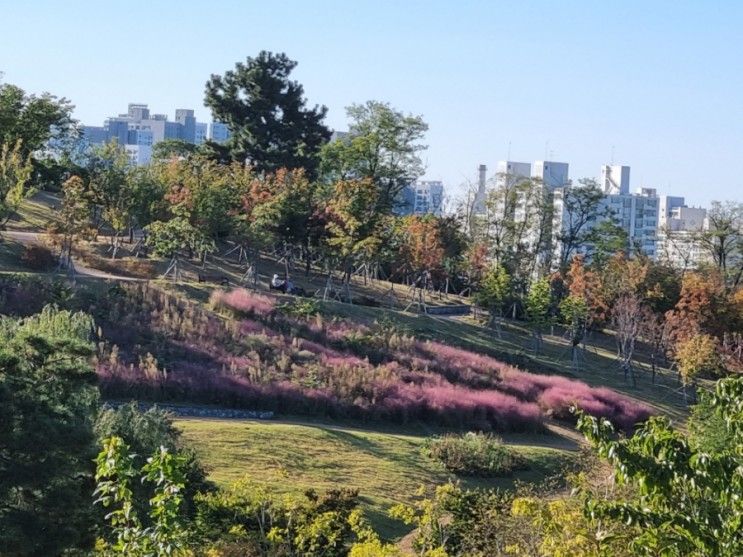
x: 344, y: 360
x: 457, y: 406
x: 458, y: 365
x: 244, y: 301
x: 251, y: 327
x: 318, y: 349
x: 340, y: 330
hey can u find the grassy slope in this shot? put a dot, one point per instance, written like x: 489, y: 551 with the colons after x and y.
x: 36, y: 213
x: 387, y: 468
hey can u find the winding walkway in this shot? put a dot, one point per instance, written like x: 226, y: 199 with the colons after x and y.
x: 81, y: 270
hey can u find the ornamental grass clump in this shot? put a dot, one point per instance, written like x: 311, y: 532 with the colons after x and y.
x: 475, y: 454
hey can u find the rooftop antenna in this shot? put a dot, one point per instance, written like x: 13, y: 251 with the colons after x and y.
x: 546, y: 147
x: 612, y: 155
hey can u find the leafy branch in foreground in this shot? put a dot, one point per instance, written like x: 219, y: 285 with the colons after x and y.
x: 688, y: 502
x: 114, y: 475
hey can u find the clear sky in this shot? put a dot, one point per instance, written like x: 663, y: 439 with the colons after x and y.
x: 658, y: 83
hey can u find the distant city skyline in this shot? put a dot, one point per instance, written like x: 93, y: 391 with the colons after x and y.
x: 653, y: 86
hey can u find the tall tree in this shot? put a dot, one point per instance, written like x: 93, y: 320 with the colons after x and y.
x: 48, y: 402
x: 580, y: 209
x: 703, y: 307
x: 202, y: 197
x: 32, y: 119
x: 574, y: 311
x: 111, y: 181
x: 698, y: 356
x: 538, y: 305
x: 270, y: 125
x: 495, y: 293
x: 422, y: 250
x: 291, y: 212
x: 353, y: 223
x: 518, y: 222
x: 586, y: 284
x: 383, y: 146
x: 723, y: 240
x: 74, y: 222
x: 15, y: 177
x: 628, y: 315
x: 606, y: 239
x: 173, y: 148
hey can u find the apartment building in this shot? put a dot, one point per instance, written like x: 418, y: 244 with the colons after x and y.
x: 139, y: 130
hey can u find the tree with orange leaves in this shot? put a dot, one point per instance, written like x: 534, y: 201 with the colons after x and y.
x: 702, y: 307
x: 584, y: 305
x: 585, y: 284
x: 422, y: 249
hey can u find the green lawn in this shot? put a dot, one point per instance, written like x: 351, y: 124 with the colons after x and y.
x: 387, y: 468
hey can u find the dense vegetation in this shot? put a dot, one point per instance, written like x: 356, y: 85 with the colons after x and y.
x: 280, y: 191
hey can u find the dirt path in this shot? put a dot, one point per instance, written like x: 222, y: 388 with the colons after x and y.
x: 81, y: 270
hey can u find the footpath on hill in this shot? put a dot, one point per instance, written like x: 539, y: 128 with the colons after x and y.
x: 27, y: 238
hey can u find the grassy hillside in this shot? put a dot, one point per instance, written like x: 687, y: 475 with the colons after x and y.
x: 599, y: 368
x: 387, y: 468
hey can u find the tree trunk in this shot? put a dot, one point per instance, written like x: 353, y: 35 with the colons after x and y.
x: 115, y: 245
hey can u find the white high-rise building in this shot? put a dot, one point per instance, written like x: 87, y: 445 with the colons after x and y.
x: 615, y: 179
x: 552, y: 174
x: 678, y: 234
x: 636, y: 214
x: 511, y: 172
x: 139, y: 155
x: 666, y: 206
x: 138, y: 131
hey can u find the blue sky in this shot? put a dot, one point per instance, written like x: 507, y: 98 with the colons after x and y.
x: 659, y: 83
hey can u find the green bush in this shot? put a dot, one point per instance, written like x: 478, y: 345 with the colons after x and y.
x: 707, y: 430
x: 475, y: 454
x: 245, y: 519
x: 301, y: 307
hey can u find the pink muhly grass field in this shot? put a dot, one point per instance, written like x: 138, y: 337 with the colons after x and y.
x: 262, y: 362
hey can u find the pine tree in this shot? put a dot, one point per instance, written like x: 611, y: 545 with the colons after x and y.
x: 271, y: 127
